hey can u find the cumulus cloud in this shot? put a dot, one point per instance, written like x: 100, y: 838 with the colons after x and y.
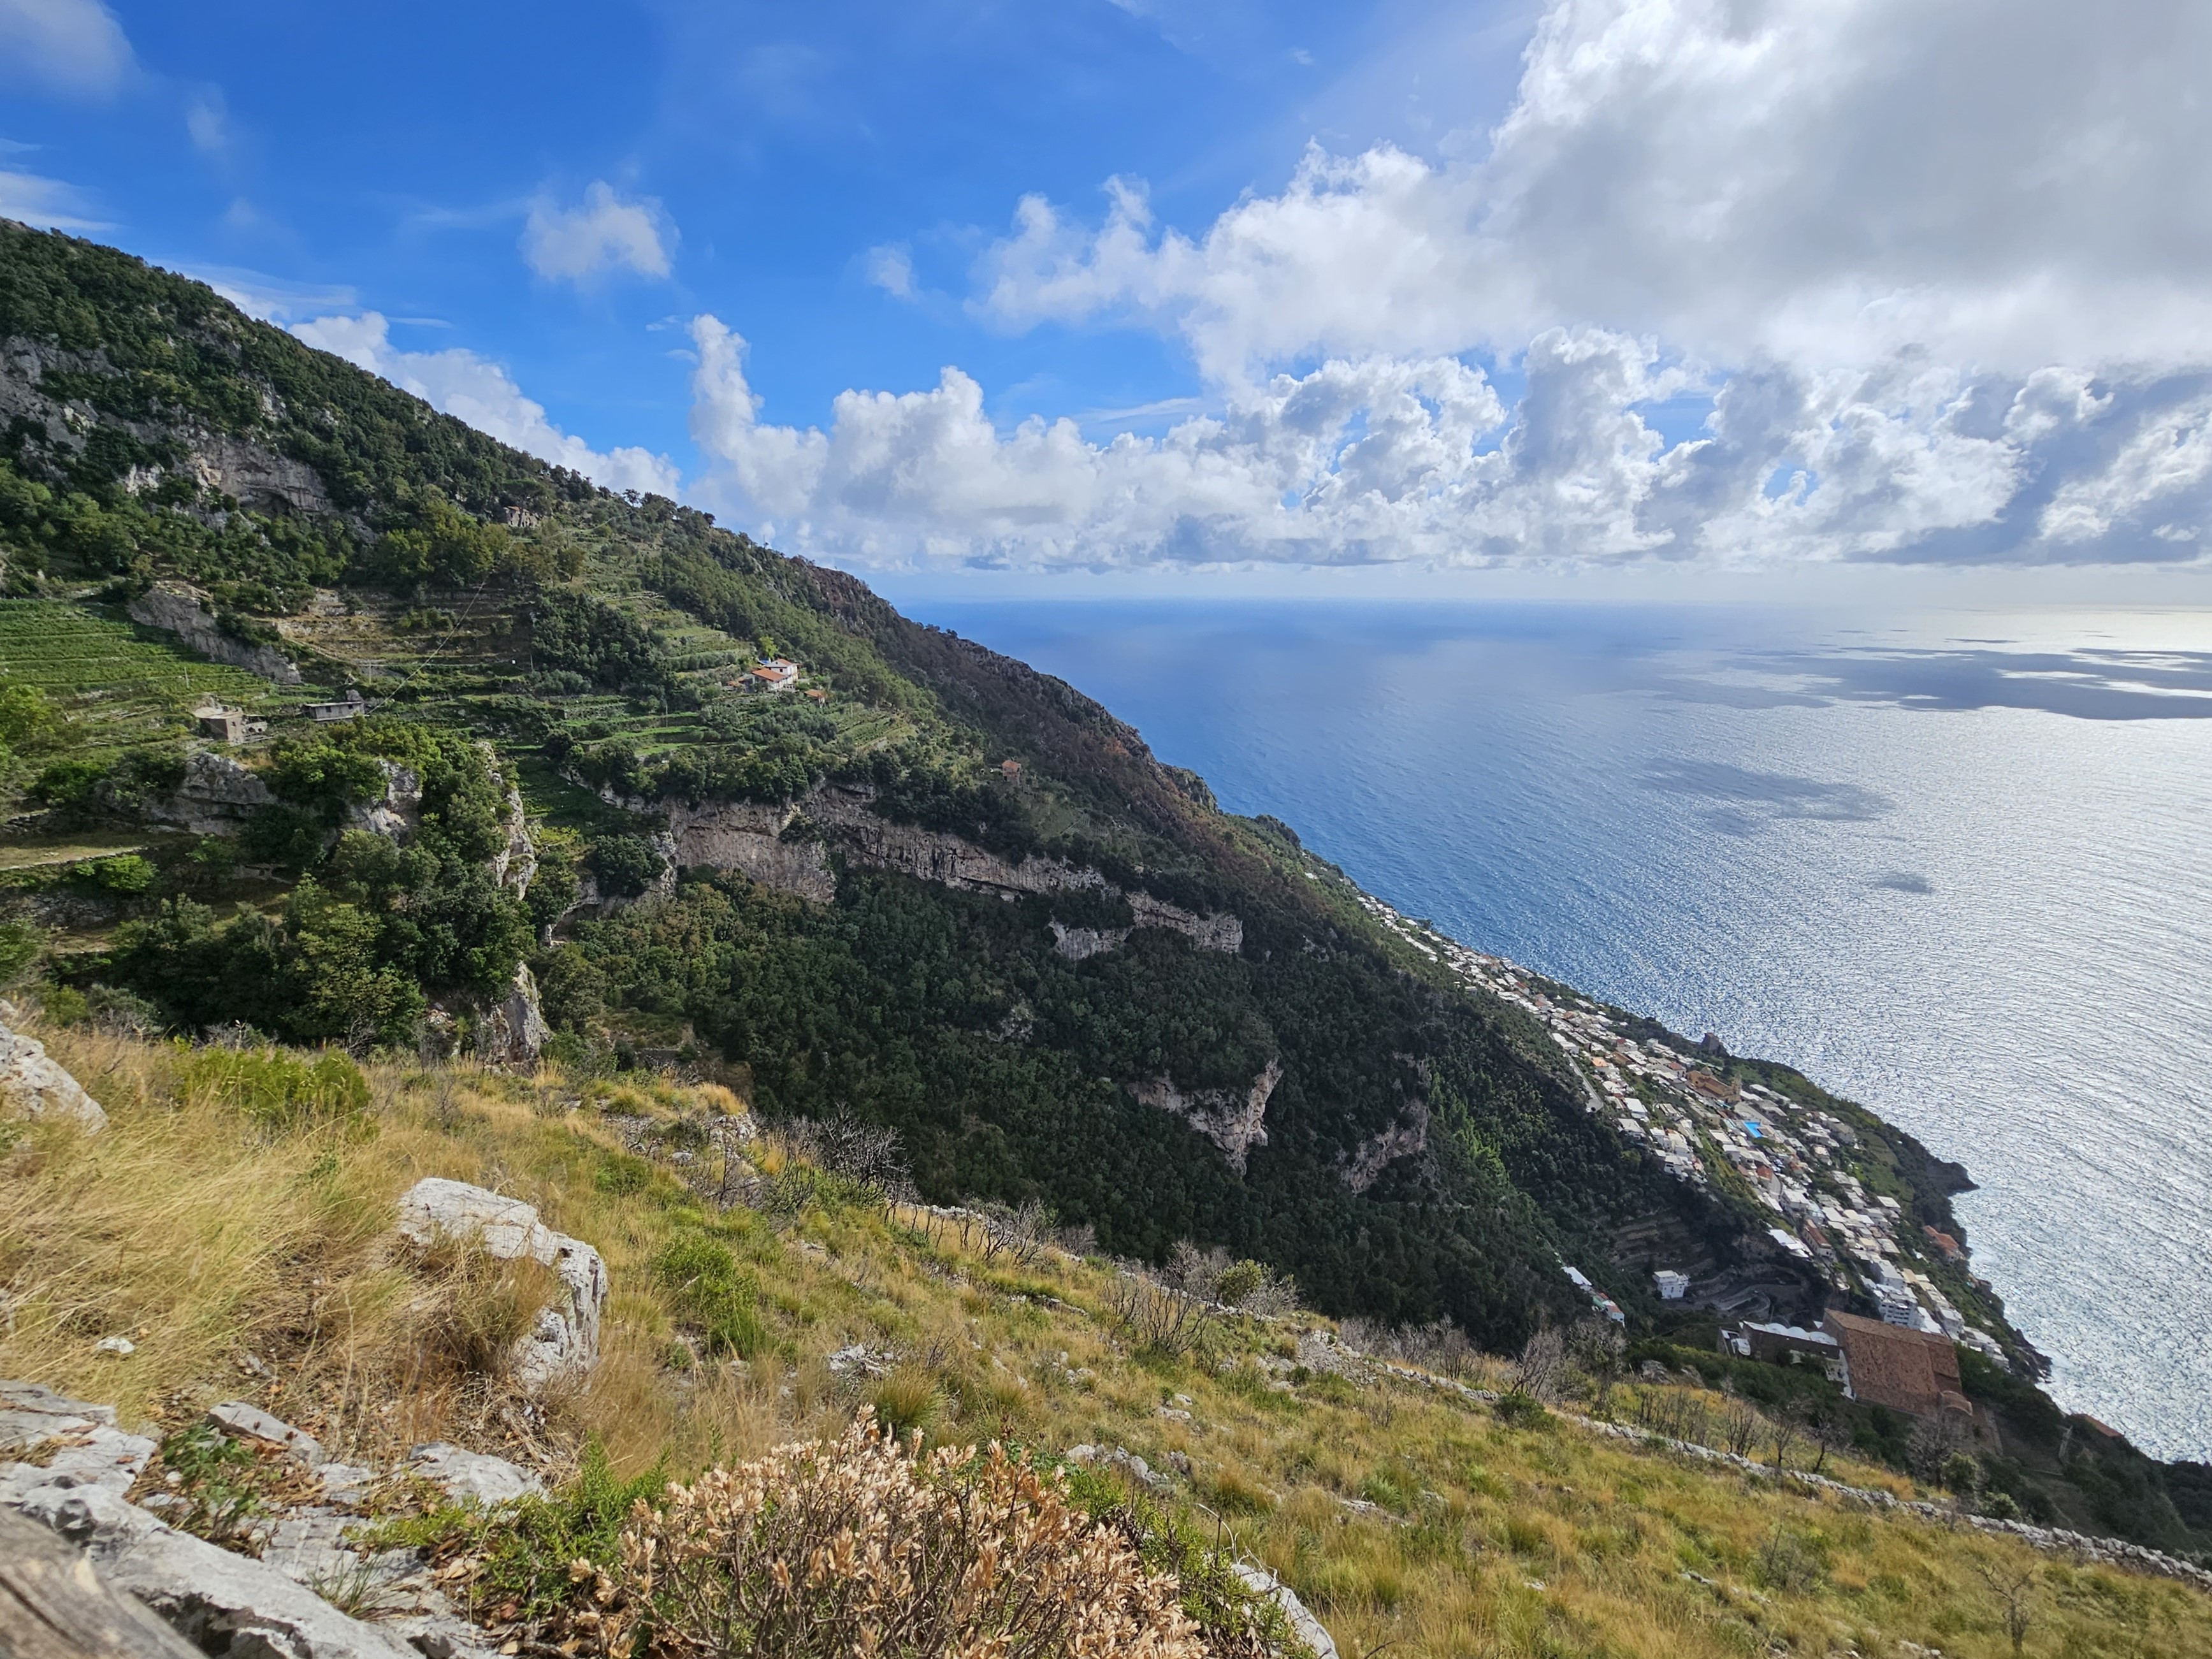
x: 604, y: 233
x: 2002, y: 183
x: 73, y: 47
x: 479, y: 392
x: 1932, y: 275
x: 46, y: 202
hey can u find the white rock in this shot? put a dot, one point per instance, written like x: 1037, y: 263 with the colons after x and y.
x: 1307, y: 1628
x: 228, y: 1605
x: 344, y: 1483
x: 566, y: 1339
x: 76, y: 1441
x: 243, y: 1420
x: 858, y: 1360
x: 121, y: 1346
x: 467, y: 1476
x: 39, y: 1088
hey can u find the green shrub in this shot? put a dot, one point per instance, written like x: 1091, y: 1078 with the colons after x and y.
x: 1791, y: 1560
x: 20, y: 942
x: 277, y: 1089
x: 127, y: 874
x: 621, y: 1175
x: 711, y: 1293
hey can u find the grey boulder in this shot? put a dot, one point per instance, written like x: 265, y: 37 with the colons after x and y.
x: 228, y: 1605
x: 77, y: 1441
x: 244, y: 1421
x: 38, y: 1087
x: 565, y: 1341
x: 1303, y: 1626
x: 473, y: 1476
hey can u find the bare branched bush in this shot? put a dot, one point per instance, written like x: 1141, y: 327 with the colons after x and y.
x: 1539, y: 1373
x: 1934, y: 1441
x: 861, y: 1545
x: 1439, y: 1347
x: 1214, y: 1275
x: 1157, y: 1318
x: 1597, y: 1348
x: 870, y: 1155
x: 2014, y: 1586
x: 1022, y: 1234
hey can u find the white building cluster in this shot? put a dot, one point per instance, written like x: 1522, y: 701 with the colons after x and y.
x: 1797, y: 1160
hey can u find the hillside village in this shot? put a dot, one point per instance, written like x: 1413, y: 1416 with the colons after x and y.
x: 1800, y: 1162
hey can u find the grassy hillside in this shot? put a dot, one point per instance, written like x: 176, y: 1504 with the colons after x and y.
x: 243, y: 1247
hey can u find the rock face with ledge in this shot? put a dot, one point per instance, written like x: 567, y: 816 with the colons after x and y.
x: 1235, y: 1120
x: 565, y: 1342
x: 787, y: 847
x: 175, y: 608
x: 514, y: 1031
x: 35, y: 1085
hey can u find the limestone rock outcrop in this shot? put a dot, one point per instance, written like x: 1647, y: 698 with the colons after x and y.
x: 397, y: 810
x: 1409, y: 1134
x: 32, y: 1082
x: 565, y: 1341
x: 514, y: 1031
x: 1303, y: 1626
x: 1235, y: 1120
x: 175, y: 608
x: 515, y: 865
x: 788, y: 847
x: 226, y: 1605
x: 218, y: 795
x: 64, y: 1439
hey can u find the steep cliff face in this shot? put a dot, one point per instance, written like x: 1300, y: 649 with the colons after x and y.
x: 789, y: 846
x: 177, y: 609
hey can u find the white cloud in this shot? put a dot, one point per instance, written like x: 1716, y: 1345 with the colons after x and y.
x: 2004, y: 183
x: 274, y: 299
x: 890, y: 268
x: 479, y: 392
x: 1933, y: 274
x: 74, y: 47
x: 605, y: 233
x: 207, y: 121
x: 46, y: 202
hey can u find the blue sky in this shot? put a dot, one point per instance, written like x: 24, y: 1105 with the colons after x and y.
x: 1590, y: 285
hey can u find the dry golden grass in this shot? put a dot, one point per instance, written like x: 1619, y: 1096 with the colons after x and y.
x: 1410, y: 1520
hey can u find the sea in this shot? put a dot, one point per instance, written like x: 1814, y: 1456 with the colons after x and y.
x: 1956, y: 866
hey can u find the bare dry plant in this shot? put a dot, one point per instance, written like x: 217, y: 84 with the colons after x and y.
x: 1022, y: 1233
x: 1157, y: 1318
x: 1540, y: 1371
x: 862, y: 1546
x: 2012, y: 1584
x: 871, y: 1155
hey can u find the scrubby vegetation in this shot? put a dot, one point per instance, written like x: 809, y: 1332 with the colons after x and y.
x: 1412, y: 1516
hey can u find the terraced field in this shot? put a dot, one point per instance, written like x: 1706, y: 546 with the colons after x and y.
x: 116, y: 683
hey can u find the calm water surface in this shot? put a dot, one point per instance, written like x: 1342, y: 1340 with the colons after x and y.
x: 1958, y: 868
